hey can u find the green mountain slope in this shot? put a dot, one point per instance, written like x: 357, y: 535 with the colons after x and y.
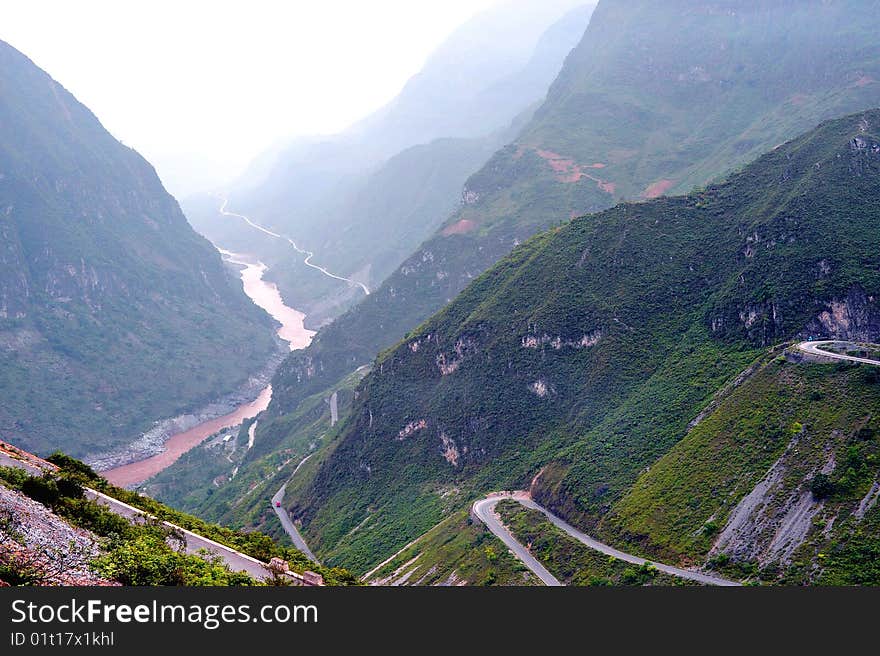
x: 586, y: 352
x: 113, y: 312
x: 229, y: 483
x: 658, y: 97
x: 750, y: 465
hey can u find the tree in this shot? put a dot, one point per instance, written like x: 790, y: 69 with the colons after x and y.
x: 822, y: 487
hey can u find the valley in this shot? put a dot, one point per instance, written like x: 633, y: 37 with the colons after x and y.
x: 308, y: 254
x: 593, y: 299
x: 292, y: 330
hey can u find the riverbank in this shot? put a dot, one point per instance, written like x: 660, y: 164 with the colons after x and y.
x: 163, y: 444
x: 153, y: 441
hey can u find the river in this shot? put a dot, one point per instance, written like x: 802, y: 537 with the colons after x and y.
x: 266, y: 296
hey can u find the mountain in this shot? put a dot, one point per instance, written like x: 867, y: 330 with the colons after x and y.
x: 777, y: 482
x: 656, y: 98
x: 114, y: 313
x: 484, y: 74
x: 363, y: 200
x: 580, y: 363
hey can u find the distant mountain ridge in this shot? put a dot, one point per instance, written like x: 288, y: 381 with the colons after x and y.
x: 538, y: 182
x: 657, y: 98
x: 364, y: 199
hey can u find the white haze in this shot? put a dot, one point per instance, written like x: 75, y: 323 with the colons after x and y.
x: 201, y: 87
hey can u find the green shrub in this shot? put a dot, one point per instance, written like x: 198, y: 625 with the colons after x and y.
x: 822, y: 487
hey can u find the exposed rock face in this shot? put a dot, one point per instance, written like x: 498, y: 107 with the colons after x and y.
x: 450, y: 450
x: 772, y: 521
x: 856, y: 317
x: 684, y: 291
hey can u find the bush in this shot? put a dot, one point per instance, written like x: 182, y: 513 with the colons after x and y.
x: 822, y: 487
x: 74, y: 468
x: 644, y: 574
x: 43, y: 490
x: 148, y: 560
x: 718, y: 562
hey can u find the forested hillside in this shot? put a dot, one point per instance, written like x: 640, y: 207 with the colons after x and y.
x: 114, y: 313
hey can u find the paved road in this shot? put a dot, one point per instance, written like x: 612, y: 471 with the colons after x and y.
x: 484, y: 509
x: 236, y: 560
x: 814, y: 348
x: 286, y: 522
x: 8, y: 461
x: 309, y: 254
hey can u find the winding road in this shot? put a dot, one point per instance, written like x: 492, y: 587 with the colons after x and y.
x: 815, y: 348
x: 286, y: 522
x: 484, y: 509
x: 309, y: 254
x: 237, y: 561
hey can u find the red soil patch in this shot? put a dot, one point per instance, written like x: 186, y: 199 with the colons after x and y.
x: 17, y: 454
x: 658, y: 189
x: 607, y: 187
x: 572, y: 176
x: 864, y: 81
x: 548, y: 154
x: 463, y: 226
x: 798, y: 99
x: 569, y: 171
x: 557, y: 162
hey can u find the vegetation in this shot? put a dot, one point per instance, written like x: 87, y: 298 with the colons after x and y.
x: 584, y: 355
x: 458, y: 550
x: 202, y: 484
x: 133, y: 553
x: 148, y: 542
x: 111, y: 306
x: 149, y: 559
x: 570, y: 561
x: 721, y: 88
x: 794, y: 417
x: 853, y: 558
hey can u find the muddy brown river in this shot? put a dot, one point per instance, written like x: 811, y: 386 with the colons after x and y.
x: 266, y: 296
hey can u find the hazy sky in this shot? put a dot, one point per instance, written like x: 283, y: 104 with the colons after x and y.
x: 200, y: 87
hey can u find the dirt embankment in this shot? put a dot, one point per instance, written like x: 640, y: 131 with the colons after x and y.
x: 658, y: 188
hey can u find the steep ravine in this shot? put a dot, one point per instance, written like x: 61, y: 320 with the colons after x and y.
x: 169, y: 439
